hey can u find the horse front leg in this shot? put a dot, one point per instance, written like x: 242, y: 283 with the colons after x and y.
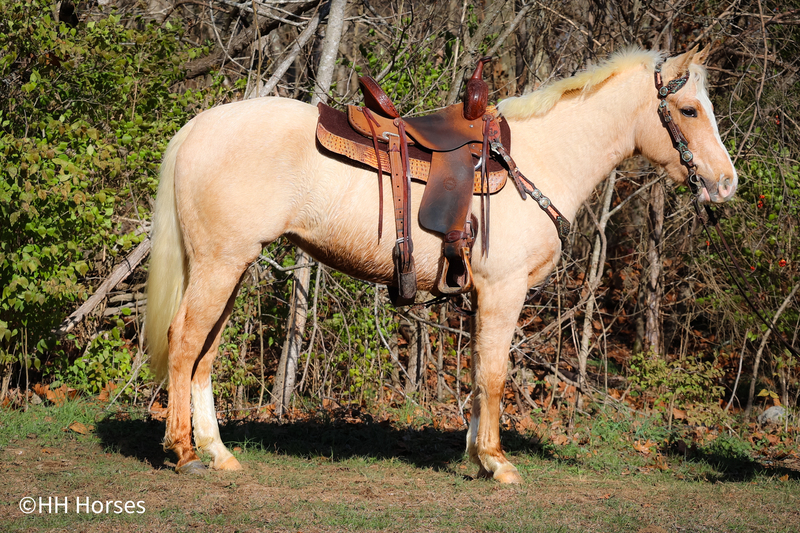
x: 498, y: 311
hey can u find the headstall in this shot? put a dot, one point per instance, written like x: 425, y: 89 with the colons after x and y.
x: 678, y: 139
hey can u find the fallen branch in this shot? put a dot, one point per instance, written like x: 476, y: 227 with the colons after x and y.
x: 117, y: 275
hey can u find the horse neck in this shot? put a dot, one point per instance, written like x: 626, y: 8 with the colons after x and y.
x: 571, y: 149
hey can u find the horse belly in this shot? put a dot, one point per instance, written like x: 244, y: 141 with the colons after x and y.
x: 339, y: 227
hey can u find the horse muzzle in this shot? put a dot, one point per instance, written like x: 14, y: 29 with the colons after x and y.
x: 714, y: 191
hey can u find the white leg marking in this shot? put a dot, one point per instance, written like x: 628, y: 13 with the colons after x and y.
x: 204, y: 420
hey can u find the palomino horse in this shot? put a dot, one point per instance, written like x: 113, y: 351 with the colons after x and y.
x: 239, y: 176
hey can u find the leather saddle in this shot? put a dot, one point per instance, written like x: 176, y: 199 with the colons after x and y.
x: 449, y: 150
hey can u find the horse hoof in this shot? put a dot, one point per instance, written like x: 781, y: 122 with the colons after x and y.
x: 194, y: 468
x: 510, y: 476
x: 231, y: 463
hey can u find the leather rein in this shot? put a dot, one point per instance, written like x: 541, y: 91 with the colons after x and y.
x: 695, y: 184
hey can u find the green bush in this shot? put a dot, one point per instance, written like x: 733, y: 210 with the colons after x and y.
x: 690, y: 384
x: 84, y: 117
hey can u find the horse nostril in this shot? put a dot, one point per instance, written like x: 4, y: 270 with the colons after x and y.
x: 725, y: 185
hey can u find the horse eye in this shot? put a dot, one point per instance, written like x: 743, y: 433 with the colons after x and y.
x: 689, y: 112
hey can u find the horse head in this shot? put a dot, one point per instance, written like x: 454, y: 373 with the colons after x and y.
x: 693, y: 151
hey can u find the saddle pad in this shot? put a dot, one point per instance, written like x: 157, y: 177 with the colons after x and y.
x: 335, y: 134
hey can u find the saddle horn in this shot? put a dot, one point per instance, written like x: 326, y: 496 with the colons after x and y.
x: 476, y: 94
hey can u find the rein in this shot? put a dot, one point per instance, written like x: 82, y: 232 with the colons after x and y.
x: 695, y: 183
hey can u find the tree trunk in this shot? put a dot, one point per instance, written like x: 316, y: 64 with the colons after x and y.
x: 440, y: 355
x: 286, y: 374
x: 287, y: 367
x: 653, y: 338
x: 593, y: 281
x: 412, y: 332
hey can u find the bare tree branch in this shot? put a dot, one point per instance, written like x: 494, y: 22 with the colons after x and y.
x: 202, y: 66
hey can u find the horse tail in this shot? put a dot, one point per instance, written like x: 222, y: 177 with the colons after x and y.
x: 168, y: 264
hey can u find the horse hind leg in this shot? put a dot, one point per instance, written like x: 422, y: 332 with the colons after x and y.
x: 193, y: 340
x: 204, y: 414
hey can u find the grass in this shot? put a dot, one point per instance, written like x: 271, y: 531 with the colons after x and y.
x: 326, y: 474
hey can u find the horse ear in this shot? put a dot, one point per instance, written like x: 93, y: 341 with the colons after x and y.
x: 701, y: 57
x: 682, y: 62
x: 688, y: 57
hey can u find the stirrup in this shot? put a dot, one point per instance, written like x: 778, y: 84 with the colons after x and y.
x: 463, y: 281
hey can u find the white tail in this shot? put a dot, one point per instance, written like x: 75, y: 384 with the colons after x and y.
x: 167, y: 275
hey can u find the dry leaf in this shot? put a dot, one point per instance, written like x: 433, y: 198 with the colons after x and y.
x: 644, y: 447
x: 661, y: 463
x: 327, y: 403
x: 78, y: 427
x: 60, y: 395
x: 526, y: 424
x: 105, y: 394
x: 157, y: 411
x: 678, y: 414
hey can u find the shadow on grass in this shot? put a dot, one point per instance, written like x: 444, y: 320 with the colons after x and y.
x: 338, y: 438
x: 140, y: 439
x: 334, y: 438
x: 731, y: 461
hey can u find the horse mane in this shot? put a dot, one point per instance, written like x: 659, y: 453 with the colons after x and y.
x: 542, y: 100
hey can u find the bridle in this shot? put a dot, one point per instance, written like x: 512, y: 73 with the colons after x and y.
x: 678, y: 139
x: 696, y: 183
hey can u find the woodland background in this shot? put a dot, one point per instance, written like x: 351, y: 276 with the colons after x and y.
x: 92, y: 91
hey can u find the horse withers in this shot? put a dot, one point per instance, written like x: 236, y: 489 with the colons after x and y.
x: 239, y: 176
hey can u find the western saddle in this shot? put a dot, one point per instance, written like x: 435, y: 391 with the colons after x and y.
x: 450, y: 151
